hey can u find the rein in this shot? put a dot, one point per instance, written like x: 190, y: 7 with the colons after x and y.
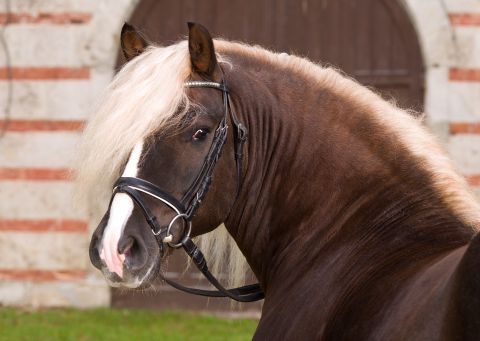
x: 193, y: 197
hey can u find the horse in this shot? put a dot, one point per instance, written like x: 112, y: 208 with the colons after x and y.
x: 347, y: 210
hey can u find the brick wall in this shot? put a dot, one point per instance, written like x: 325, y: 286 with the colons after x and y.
x: 62, y: 56
x: 464, y: 89
x: 449, y: 33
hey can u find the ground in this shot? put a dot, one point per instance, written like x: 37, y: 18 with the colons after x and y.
x: 115, y: 324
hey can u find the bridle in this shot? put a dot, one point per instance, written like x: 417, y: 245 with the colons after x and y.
x: 186, y: 208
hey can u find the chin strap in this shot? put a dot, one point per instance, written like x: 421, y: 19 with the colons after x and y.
x: 133, y: 187
x: 247, y: 293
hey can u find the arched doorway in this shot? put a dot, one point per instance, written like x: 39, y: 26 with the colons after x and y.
x: 373, y: 41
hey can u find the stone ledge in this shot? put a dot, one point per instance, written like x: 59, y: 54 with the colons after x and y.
x: 58, y: 294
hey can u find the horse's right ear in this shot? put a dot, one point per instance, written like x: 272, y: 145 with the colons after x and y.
x: 132, y: 42
x: 202, y: 52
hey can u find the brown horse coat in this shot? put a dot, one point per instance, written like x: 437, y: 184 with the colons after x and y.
x: 349, y: 215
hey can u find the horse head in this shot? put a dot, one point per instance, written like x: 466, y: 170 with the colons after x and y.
x: 176, y: 163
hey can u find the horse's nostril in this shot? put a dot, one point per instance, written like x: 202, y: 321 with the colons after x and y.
x: 136, y: 255
x: 125, y: 245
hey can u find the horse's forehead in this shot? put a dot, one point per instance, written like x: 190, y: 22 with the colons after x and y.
x: 209, y: 98
x: 133, y: 162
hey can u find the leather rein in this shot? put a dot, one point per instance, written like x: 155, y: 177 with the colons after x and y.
x: 133, y: 187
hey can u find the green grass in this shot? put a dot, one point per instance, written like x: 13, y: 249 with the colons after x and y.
x: 110, y: 324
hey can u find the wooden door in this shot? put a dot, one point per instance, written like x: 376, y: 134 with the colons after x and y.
x: 373, y: 41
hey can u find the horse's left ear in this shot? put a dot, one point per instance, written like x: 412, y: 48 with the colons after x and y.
x: 132, y: 42
x: 200, y: 46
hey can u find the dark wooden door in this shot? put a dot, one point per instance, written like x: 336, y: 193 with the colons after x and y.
x: 373, y: 41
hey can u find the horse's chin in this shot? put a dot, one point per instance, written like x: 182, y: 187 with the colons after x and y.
x: 129, y: 280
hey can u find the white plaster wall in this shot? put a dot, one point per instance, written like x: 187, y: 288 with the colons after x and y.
x: 94, y: 46
x: 45, y: 251
x: 445, y: 46
x: 434, y: 31
x: 458, y: 6
x: 44, y: 149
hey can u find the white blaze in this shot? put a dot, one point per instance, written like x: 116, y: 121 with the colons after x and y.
x: 120, y: 211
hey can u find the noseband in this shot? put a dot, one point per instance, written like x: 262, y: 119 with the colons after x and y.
x: 186, y: 208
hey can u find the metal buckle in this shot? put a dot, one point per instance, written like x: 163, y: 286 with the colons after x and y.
x: 169, y: 235
x: 241, y: 132
x: 222, y: 128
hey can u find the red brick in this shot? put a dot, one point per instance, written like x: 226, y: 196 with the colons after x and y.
x: 41, y: 125
x: 34, y: 275
x: 44, y: 73
x: 46, y: 225
x: 464, y: 128
x: 465, y: 19
x: 35, y: 174
x: 464, y: 75
x: 60, y: 18
x: 474, y: 180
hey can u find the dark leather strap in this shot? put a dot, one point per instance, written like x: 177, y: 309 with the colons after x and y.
x: 240, y: 132
x: 240, y: 137
x: 149, y: 188
x: 194, y: 196
x: 201, y: 184
x: 247, y: 293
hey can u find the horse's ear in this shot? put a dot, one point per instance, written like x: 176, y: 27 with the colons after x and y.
x: 132, y: 42
x: 200, y: 46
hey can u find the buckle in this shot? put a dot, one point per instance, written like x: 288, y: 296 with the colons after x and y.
x: 242, y: 132
x: 168, y: 238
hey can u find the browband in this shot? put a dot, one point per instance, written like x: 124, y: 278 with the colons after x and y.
x: 205, y: 84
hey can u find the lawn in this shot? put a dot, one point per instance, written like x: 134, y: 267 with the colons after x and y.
x: 117, y: 325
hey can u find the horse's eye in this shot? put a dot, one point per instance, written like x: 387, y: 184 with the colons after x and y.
x: 200, y: 135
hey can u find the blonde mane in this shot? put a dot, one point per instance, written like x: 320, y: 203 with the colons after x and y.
x: 144, y: 97
x: 147, y: 93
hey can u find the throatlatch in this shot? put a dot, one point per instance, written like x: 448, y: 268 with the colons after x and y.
x: 194, y: 196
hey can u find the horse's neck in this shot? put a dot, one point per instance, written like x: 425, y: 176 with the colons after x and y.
x: 317, y: 190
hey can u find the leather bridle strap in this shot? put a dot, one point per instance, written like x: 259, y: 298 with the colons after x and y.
x: 131, y: 187
x: 241, y: 135
x: 241, y: 132
x: 247, y: 293
x: 185, y: 208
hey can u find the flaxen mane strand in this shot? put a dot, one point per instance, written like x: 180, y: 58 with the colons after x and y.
x: 143, y: 97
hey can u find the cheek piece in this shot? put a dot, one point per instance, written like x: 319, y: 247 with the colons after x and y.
x: 185, y: 208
